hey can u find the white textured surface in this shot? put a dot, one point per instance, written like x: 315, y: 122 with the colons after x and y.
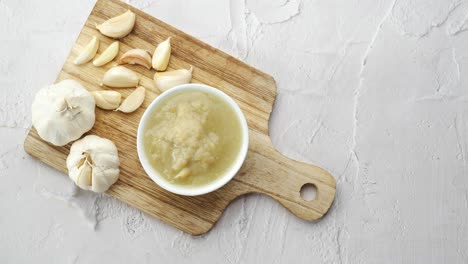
x: 374, y: 91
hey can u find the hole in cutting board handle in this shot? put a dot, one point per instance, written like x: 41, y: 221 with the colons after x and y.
x: 308, y: 192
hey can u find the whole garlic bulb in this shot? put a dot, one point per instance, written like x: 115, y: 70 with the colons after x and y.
x: 93, y: 163
x: 63, y: 112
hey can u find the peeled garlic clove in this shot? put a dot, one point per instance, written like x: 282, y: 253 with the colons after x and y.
x: 88, y: 52
x: 169, y: 79
x: 133, y: 101
x: 161, y: 55
x: 108, y: 54
x: 107, y: 100
x: 119, y: 26
x: 120, y: 77
x: 136, y: 56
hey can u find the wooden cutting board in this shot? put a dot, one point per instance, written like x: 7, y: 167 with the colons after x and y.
x: 265, y: 170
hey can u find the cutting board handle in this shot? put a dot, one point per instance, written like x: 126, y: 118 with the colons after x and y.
x: 282, y: 178
x: 295, y: 175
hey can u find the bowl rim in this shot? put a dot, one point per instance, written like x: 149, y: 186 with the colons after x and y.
x: 220, y: 181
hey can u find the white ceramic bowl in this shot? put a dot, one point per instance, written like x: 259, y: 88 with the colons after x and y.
x: 220, y: 181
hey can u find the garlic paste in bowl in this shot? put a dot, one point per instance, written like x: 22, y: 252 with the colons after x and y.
x: 193, y: 137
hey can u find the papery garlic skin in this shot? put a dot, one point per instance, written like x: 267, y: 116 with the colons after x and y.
x: 120, y: 77
x: 107, y: 55
x: 161, y: 55
x: 93, y: 163
x: 88, y: 52
x: 119, y: 26
x: 166, y: 80
x: 107, y: 100
x: 63, y: 112
x: 133, y: 101
x: 136, y: 56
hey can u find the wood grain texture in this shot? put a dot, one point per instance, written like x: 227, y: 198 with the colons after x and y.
x: 265, y: 170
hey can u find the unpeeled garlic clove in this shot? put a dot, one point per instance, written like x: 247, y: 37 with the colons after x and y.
x: 161, y: 55
x: 107, y: 100
x: 108, y: 54
x: 136, y: 56
x: 120, y: 77
x: 133, y: 101
x: 84, y: 179
x: 85, y: 172
x: 88, y: 52
x: 119, y: 26
x: 169, y: 79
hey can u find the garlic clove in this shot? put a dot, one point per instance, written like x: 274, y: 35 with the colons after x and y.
x: 108, y: 54
x: 120, y: 77
x: 161, y: 55
x: 119, y: 26
x: 84, y: 178
x: 107, y: 100
x: 136, y: 56
x: 133, y: 101
x: 169, y: 79
x: 88, y: 52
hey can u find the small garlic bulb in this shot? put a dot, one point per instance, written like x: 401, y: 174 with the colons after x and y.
x: 63, y: 112
x: 93, y: 163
